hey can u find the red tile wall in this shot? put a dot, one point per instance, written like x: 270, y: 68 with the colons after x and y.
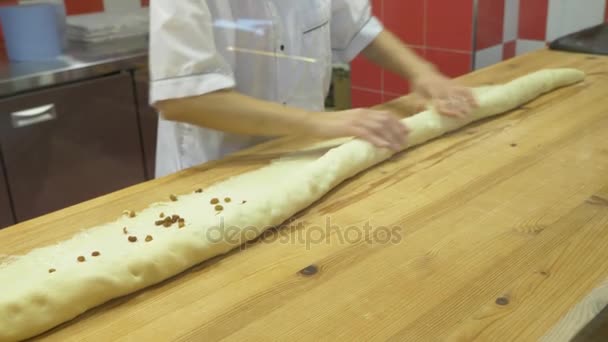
x: 508, y: 50
x: 74, y: 7
x: 449, y: 24
x: 533, y: 19
x: 440, y: 31
x: 451, y: 63
x: 406, y: 19
x: 365, y: 98
x: 8, y: 2
x: 531, y: 22
x: 490, y: 22
x: 367, y: 78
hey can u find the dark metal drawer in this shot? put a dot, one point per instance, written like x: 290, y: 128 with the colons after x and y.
x: 68, y: 144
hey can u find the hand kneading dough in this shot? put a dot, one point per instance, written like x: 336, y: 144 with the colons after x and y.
x: 49, y: 286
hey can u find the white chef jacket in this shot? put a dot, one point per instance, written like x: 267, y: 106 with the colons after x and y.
x: 275, y: 50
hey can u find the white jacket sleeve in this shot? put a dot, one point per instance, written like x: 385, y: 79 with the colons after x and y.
x: 183, y: 57
x: 353, y: 28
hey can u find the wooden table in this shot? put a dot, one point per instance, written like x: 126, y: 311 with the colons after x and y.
x: 497, y: 232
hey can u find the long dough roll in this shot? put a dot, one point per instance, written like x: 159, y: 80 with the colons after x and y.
x: 49, y: 285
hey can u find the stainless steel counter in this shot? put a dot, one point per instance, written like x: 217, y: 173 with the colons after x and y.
x: 80, y: 61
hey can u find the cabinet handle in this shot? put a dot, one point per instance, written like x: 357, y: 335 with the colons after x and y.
x: 33, y: 116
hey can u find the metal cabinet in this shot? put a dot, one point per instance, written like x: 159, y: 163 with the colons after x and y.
x: 6, y: 214
x: 71, y: 143
x: 148, y: 119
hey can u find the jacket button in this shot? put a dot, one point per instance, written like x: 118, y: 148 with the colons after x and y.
x: 282, y: 47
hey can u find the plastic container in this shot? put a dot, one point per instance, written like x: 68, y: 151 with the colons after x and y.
x: 33, y: 32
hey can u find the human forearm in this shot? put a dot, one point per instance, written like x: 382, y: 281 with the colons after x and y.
x: 426, y: 80
x: 233, y: 112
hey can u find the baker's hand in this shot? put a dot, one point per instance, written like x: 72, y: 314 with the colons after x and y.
x: 381, y: 128
x: 448, y: 98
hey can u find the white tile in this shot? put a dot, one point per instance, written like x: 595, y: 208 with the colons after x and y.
x: 567, y: 16
x: 122, y: 5
x: 523, y: 46
x: 511, y: 20
x: 488, y: 56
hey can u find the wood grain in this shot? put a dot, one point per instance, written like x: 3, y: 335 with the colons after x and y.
x: 494, y: 232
